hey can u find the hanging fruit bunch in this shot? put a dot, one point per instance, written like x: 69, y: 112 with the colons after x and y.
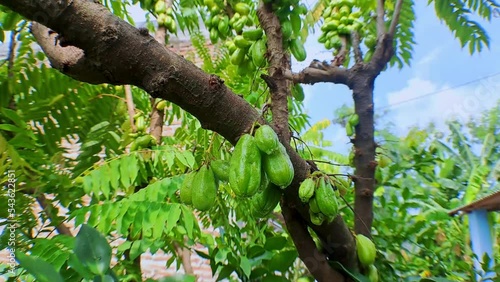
x: 340, y: 20
x: 142, y: 140
x: 318, y: 191
x: 165, y: 16
x: 259, y: 169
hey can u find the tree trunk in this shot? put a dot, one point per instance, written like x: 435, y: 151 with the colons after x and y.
x: 364, y: 149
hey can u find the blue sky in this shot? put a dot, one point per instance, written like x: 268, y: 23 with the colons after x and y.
x: 438, y: 64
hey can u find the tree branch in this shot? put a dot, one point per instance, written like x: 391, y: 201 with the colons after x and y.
x: 116, y: 48
x: 69, y: 60
x: 395, y: 17
x: 48, y: 209
x: 130, y: 106
x: 279, y: 63
x: 358, y: 55
x: 315, y: 261
x: 380, y: 18
x: 319, y: 72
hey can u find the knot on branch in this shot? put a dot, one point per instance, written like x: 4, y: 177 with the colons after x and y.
x: 270, y: 82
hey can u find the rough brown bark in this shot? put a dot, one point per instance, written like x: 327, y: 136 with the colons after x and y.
x: 364, y: 152
x: 279, y: 62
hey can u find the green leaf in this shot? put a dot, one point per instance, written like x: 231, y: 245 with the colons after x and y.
x: 173, y: 216
x: 282, y: 261
x: 99, y: 126
x: 93, y: 250
x: 245, y: 266
x: 43, y: 271
x: 178, y: 278
x: 75, y: 264
x: 225, y: 272
x: 275, y: 243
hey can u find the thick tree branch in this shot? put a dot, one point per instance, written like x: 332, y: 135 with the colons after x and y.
x: 382, y: 55
x: 340, y: 55
x: 318, y: 72
x: 69, y: 59
x: 358, y: 55
x: 315, y: 261
x: 395, y: 17
x: 124, y: 56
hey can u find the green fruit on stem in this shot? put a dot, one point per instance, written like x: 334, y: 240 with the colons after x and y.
x: 298, y: 50
x: 220, y: 169
x: 306, y: 190
x: 204, y: 191
x: 253, y: 34
x: 258, y: 52
x: 264, y: 202
x: 237, y: 57
x: 372, y: 273
x: 242, y: 8
x: 241, y: 42
x: 160, y: 7
x: 266, y: 139
x: 313, y: 205
x: 278, y: 167
x: 187, y: 189
x: 286, y: 30
x: 245, y: 168
x: 326, y: 199
x: 366, y: 250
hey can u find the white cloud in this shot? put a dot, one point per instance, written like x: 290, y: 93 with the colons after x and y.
x: 423, y: 66
x: 441, y: 104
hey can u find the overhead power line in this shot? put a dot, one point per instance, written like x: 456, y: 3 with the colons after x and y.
x: 438, y: 91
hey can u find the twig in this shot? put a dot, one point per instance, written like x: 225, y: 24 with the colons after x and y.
x: 395, y: 17
x: 327, y: 162
x: 380, y: 19
x: 130, y: 106
x: 358, y: 55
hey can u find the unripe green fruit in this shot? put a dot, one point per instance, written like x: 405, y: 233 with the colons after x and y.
x: 204, y: 191
x: 220, y: 169
x: 278, y: 167
x: 366, y: 250
x: 326, y: 199
x: 306, y: 190
x: 187, y: 189
x: 245, y: 167
x: 372, y: 273
x: 266, y: 139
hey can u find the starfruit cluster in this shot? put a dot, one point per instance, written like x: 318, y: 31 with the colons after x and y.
x: 141, y: 139
x: 351, y: 124
x: 258, y: 168
x: 248, y: 50
x: 339, y: 20
x: 319, y: 192
x: 248, y: 47
x: 165, y: 16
